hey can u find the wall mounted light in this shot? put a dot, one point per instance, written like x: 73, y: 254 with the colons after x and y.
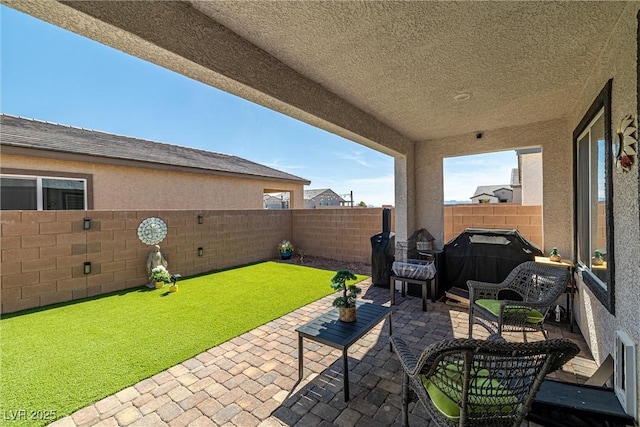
x: 86, y: 223
x: 87, y: 267
x: 200, y: 219
x: 200, y: 251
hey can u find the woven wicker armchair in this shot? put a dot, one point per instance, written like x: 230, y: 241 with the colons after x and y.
x: 520, y: 302
x: 467, y: 382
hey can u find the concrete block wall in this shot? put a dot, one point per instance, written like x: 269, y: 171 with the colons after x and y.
x: 43, y: 252
x: 526, y: 219
x: 342, y: 234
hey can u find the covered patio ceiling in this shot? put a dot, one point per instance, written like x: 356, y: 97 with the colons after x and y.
x: 384, y: 74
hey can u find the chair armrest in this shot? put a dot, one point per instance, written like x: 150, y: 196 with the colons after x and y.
x: 407, y: 358
x: 479, y: 290
x: 496, y: 338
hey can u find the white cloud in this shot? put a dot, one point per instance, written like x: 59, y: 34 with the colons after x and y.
x: 356, y: 156
x: 276, y: 164
x: 376, y: 191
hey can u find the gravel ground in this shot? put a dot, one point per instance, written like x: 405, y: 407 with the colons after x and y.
x: 329, y: 264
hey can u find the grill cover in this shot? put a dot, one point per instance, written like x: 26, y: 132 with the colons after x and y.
x: 486, y: 255
x: 382, y: 256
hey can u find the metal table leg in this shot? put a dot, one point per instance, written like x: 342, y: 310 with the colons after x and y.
x: 345, y: 370
x: 300, y: 364
x: 392, y: 285
x: 390, y: 333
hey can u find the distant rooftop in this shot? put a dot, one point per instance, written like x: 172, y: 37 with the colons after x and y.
x: 490, y: 190
x: 40, y: 135
x: 313, y: 193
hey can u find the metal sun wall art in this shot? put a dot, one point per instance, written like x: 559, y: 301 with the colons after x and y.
x: 152, y: 231
x: 625, y: 144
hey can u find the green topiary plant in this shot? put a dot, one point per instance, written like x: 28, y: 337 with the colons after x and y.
x: 349, y: 292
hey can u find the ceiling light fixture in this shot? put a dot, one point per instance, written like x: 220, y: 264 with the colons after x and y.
x: 464, y: 96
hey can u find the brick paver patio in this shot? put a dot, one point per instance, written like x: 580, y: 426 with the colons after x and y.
x: 252, y: 379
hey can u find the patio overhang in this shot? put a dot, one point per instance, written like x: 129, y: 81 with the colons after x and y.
x: 417, y: 81
x: 384, y: 76
x: 366, y: 70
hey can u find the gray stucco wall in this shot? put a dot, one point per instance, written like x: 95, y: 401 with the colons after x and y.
x: 618, y: 62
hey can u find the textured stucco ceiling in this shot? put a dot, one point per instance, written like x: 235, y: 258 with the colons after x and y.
x: 403, y: 62
x: 381, y: 73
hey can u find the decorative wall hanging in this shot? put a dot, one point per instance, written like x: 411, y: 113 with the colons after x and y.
x: 625, y: 144
x: 152, y: 231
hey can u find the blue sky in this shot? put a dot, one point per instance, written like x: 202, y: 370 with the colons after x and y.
x: 463, y: 174
x: 54, y: 75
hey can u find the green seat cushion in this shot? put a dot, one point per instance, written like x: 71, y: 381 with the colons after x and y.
x: 493, y: 306
x: 485, y: 393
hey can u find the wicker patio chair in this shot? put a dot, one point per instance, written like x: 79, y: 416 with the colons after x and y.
x: 467, y: 382
x: 520, y: 302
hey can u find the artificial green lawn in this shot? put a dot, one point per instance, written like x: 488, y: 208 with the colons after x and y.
x: 66, y: 357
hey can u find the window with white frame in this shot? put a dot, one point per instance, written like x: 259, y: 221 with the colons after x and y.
x: 21, y: 192
x: 591, y: 194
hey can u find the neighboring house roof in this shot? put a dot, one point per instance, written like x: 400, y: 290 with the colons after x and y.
x: 483, y: 194
x: 312, y: 194
x: 489, y: 190
x: 39, y: 135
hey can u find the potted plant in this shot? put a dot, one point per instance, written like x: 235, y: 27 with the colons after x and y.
x: 174, y: 282
x: 346, y: 303
x: 286, y: 249
x: 160, y: 275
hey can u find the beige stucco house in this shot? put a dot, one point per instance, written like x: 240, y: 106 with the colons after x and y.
x: 493, y: 194
x: 322, y: 198
x: 525, y: 187
x: 419, y: 81
x: 48, y: 166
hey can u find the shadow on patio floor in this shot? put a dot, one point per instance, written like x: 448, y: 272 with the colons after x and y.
x: 252, y: 380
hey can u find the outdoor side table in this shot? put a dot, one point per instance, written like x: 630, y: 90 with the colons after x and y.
x: 403, y: 287
x: 571, y: 287
x: 328, y: 330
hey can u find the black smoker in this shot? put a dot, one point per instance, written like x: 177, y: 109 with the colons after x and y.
x: 383, y: 247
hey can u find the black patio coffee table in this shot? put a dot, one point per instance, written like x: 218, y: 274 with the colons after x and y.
x: 327, y: 329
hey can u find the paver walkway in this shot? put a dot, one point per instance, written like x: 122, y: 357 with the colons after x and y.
x: 251, y: 380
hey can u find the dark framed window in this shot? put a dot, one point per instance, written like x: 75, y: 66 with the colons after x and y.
x: 42, y: 193
x: 593, y: 203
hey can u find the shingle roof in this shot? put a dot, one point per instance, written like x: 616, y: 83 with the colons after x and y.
x: 311, y: 194
x: 490, y: 190
x: 35, y: 134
